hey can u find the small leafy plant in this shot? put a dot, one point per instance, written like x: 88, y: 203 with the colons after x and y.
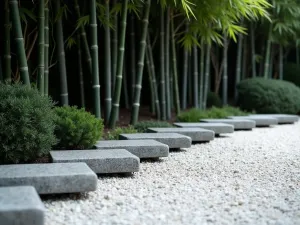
x: 76, y: 128
x: 195, y: 115
x: 114, y: 134
x: 144, y: 125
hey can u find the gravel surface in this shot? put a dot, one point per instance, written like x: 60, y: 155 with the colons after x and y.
x: 248, y: 177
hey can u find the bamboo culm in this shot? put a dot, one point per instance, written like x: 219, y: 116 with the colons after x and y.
x: 107, y: 72
x: 195, y: 76
x: 252, y: 40
x: 132, y: 55
x: 6, y: 47
x: 118, y: 83
x: 167, y: 65
x: 95, y: 61
x: 140, y: 66
x: 207, y: 72
x: 225, y: 71
x: 162, y: 65
x: 61, y: 56
x: 41, y: 47
x: 85, y: 44
x: 267, y: 55
x: 21, y: 55
x: 46, y: 58
x: 280, y: 62
x: 238, y: 63
x: 114, y: 49
x: 201, y: 79
x: 185, y: 73
x: 150, y: 76
x: 80, y: 71
x: 125, y: 87
x: 154, y: 83
x: 174, y: 68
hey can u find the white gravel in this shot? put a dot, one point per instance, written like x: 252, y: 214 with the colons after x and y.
x: 248, y: 177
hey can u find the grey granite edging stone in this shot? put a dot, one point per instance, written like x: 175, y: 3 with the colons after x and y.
x: 196, y: 134
x: 50, y: 178
x: 173, y: 140
x: 21, y: 206
x: 140, y: 148
x: 282, y: 118
x: 101, y: 162
x: 260, y: 121
x: 239, y: 124
x: 218, y: 128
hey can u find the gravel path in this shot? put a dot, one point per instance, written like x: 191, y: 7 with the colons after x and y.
x: 248, y: 177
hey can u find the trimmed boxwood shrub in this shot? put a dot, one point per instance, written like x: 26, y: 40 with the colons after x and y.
x: 114, y: 134
x: 27, y: 124
x: 195, y: 115
x: 76, y: 128
x: 144, y: 125
x: 213, y: 99
x: 268, y: 96
x: 291, y: 73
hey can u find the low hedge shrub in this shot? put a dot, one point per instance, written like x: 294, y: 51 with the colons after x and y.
x: 27, y: 124
x: 269, y: 96
x: 114, y: 134
x: 76, y: 128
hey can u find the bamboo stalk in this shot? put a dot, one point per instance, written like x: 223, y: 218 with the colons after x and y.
x: 201, y: 80
x: 114, y: 49
x: 195, y: 76
x: 61, y: 57
x: 238, y: 63
x: 174, y: 67
x: 118, y: 85
x: 41, y: 47
x: 154, y: 83
x: 141, y: 59
x: 225, y: 71
x: 185, y: 73
x: 46, y: 58
x: 150, y: 76
x: 252, y: 39
x: 132, y: 54
x: 167, y: 65
x: 95, y: 61
x: 80, y: 71
x: 267, y: 56
x: 21, y: 55
x: 245, y: 59
x: 125, y: 88
x: 280, y: 62
x: 86, y: 48
x: 162, y: 65
x: 271, y: 62
x: 6, y: 47
x: 107, y: 72
x: 207, y: 72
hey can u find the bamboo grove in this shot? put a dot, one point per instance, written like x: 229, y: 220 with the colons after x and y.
x: 169, y: 54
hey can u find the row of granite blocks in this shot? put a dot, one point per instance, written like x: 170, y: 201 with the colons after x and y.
x: 75, y: 171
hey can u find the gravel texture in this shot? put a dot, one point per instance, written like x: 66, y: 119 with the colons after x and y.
x: 248, y: 177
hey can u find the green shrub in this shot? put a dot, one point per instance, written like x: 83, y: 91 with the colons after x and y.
x: 195, y: 115
x: 213, y: 99
x: 27, y: 124
x: 144, y: 125
x: 291, y: 73
x: 114, y: 134
x: 268, y: 96
x: 235, y: 111
x: 76, y: 128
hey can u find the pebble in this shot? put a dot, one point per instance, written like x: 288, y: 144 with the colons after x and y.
x: 245, y: 178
